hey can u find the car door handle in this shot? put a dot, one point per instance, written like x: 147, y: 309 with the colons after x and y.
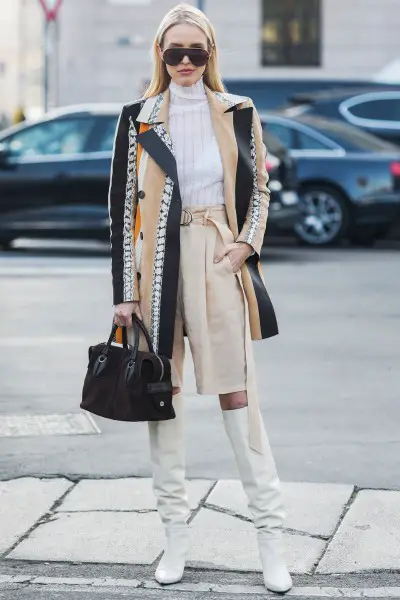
x: 61, y: 176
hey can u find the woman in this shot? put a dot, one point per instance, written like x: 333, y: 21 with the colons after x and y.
x: 188, y: 206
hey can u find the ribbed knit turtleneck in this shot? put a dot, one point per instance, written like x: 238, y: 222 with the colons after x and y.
x: 200, y: 171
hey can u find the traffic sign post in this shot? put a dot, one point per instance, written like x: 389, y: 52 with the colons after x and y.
x: 51, y: 9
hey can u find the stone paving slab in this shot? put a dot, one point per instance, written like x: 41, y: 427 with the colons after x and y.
x: 221, y: 541
x: 368, y: 537
x: 31, y: 425
x: 303, y: 502
x: 24, y: 501
x: 108, y: 537
x: 131, y: 493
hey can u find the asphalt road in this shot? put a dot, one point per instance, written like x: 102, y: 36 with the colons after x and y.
x: 329, y: 383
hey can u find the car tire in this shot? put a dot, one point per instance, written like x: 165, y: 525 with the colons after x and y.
x: 325, y: 218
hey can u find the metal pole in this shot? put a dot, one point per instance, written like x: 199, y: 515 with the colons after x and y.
x: 46, y: 62
x: 56, y: 62
x: 200, y: 5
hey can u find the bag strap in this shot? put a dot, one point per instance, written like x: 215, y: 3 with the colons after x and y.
x: 135, y: 319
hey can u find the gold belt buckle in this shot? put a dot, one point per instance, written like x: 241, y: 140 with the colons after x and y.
x: 187, y: 217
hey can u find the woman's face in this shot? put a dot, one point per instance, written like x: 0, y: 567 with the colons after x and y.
x: 184, y: 36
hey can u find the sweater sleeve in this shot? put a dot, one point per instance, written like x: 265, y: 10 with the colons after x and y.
x: 122, y: 202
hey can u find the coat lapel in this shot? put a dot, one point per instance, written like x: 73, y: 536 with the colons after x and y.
x: 157, y: 140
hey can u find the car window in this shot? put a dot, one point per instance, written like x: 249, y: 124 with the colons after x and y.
x: 383, y: 109
x: 105, y: 142
x: 309, y: 142
x: 283, y: 133
x: 352, y: 138
x: 60, y: 136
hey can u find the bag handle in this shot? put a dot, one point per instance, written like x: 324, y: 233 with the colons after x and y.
x: 131, y: 365
x: 135, y: 319
x: 137, y: 324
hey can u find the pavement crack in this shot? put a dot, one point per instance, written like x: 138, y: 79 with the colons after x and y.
x: 202, y: 503
x: 45, y: 518
x: 227, y: 511
x: 341, y: 518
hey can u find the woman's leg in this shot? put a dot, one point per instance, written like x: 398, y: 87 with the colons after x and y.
x: 168, y: 459
x: 167, y: 448
x: 262, y: 487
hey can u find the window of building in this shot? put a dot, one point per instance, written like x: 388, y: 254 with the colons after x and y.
x: 291, y: 33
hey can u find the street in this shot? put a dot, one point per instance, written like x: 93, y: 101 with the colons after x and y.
x: 329, y: 389
x: 329, y: 385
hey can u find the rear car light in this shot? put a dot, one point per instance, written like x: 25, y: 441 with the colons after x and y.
x: 395, y: 169
x: 272, y: 162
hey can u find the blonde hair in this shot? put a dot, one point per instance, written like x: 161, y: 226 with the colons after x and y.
x: 184, y: 13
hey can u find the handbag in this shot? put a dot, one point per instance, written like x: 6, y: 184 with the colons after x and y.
x: 125, y: 384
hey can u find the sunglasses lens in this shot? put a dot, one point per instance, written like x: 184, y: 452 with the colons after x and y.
x: 172, y: 56
x: 197, y: 56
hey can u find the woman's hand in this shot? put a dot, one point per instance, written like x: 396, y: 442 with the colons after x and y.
x: 123, y: 313
x: 237, y: 254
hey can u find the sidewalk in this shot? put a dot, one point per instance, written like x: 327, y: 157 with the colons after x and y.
x: 330, y: 529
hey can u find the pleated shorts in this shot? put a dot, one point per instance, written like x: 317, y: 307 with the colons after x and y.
x: 210, y: 305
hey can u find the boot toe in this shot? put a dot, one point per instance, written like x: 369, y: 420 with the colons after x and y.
x: 279, y: 581
x: 167, y: 576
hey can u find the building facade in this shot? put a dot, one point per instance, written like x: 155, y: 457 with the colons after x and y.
x: 103, y: 48
x: 21, y: 56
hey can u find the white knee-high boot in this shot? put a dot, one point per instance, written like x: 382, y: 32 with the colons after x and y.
x: 168, y: 458
x: 262, y: 487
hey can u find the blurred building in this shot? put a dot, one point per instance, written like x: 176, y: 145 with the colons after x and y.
x: 103, y: 49
x: 20, y: 55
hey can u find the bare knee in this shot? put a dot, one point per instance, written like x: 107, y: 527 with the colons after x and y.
x: 175, y: 390
x: 233, y: 401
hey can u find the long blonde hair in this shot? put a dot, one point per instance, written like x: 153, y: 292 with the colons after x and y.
x: 184, y: 13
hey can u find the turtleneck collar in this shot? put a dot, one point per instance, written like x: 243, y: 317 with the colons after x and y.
x: 187, y: 94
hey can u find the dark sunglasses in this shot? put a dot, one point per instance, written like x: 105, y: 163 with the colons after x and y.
x: 197, y: 56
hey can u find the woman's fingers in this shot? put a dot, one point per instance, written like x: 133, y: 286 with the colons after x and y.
x: 220, y: 255
x: 123, y: 313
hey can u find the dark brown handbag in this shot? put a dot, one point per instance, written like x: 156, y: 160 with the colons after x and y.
x: 125, y: 384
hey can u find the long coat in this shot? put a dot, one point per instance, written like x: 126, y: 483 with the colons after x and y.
x: 145, y: 209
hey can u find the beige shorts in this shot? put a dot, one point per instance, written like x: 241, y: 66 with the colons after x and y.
x: 210, y: 306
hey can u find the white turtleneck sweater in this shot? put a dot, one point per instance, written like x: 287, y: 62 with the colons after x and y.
x: 200, y: 171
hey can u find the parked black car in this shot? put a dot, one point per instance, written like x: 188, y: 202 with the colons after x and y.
x: 54, y: 177
x: 273, y: 94
x: 349, y: 180
x: 372, y: 110
x: 284, y: 207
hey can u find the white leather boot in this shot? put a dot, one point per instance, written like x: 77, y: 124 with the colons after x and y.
x: 262, y: 487
x: 167, y: 452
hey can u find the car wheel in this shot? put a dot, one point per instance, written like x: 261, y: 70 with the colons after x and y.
x: 325, y: 216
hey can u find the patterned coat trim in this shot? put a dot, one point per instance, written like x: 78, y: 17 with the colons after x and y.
x: 230, y: 100
x: 150, y: 108
x: 159, y: 262
x: 156, y: 109
x: 129, y: 207
x: 255, y: 201
x: 166, y: 138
